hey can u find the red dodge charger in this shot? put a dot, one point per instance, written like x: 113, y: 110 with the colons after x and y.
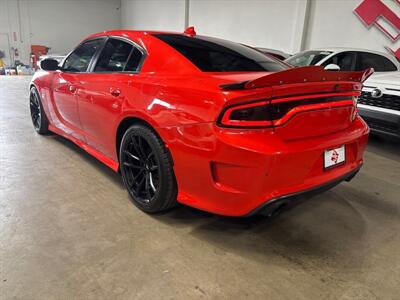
x: 203, y: 121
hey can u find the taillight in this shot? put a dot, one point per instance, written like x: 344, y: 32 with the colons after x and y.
x: 276, y: 112
x: 255, y: 114
x: 355, y: 101
x: 355, y: 110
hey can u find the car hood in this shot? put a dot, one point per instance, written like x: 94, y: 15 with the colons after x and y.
x: 386, y: 78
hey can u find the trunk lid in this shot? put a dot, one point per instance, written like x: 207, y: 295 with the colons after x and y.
x: 307, y: 102
x: 313, y: 109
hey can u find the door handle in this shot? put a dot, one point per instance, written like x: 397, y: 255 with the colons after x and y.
x: 115, y: 92
x: 72, y: 89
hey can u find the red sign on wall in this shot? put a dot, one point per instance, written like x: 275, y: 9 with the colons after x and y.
x: 376, y: 13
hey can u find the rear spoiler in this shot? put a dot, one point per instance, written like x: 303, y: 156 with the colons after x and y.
x: 299, y: 75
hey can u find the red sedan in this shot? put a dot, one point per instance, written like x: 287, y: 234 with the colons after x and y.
x: 202, y: 121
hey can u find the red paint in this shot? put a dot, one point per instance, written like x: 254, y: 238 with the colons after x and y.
x: 228, y: 171
x: 190, y: 31
x: 306, y: 74
x: 370, y: 11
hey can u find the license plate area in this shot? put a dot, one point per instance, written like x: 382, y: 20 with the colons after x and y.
x: 334, y: 157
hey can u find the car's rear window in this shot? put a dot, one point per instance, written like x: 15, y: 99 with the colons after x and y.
x: 217, y: 55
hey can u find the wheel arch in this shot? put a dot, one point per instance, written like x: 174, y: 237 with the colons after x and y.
x: 127, y: 122
x: 33, y: 85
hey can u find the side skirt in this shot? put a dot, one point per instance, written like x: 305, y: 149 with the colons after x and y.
x: 98, y: 155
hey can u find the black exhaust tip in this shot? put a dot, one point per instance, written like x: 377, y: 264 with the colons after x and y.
x: 275, y: 206
x: 274, y: 209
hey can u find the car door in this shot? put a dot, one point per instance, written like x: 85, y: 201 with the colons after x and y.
x: 104, y: 90
x: 67, y: 82
x: 380, y: 63
x: 345, y: 60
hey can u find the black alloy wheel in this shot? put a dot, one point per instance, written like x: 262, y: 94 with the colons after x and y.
x: 38, y: 116
x: 147, y: 171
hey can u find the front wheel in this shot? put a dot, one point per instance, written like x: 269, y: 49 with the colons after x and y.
x: 38, y: 116
x: 147, y: 170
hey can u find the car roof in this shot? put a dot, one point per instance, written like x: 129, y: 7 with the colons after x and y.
x: 343, y: 49
x: 127, y: 33
x: 161, y: 62
x: 275, y: 51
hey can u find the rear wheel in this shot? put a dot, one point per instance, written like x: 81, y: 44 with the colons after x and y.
x: 147, y: 170
x: 38, y: 116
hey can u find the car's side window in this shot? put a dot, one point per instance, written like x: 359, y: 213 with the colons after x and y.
x: 79, y: 59
x: 371, y: 60
x: 345, y: 60
x: 134, y: 60
x: 118, y: 56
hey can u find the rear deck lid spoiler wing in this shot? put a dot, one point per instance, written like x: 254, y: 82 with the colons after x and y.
x: 299, y: 75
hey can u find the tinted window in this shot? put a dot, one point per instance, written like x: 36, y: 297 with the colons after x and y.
x: 378, y: 62
x: 345, y: 60
x: 308, y: 58
x: 114, y: 56
x: 134, y: 60
x: 216, y: 55
x: 79, y: 59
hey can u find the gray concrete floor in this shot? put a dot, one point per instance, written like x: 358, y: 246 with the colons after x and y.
x: 69, y: 231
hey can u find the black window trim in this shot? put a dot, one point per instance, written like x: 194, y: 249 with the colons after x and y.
x: 135, y: 45
x: 94, y: 59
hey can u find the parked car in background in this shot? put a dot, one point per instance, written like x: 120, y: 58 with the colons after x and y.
x: 379, y: 103
x: 348, y: 59
x: 275, y: 53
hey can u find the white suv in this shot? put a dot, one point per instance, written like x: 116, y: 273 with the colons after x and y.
x: 379, y: 103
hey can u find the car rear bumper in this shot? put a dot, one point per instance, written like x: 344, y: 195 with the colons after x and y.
x: 271, y: 206
x: 234, y: 172
x: 381, y: 122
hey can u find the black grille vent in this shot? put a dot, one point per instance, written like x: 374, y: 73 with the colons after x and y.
x: 386, y: 101
x: 382, y: 125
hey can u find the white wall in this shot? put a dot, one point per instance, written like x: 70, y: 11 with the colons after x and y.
x: 153, y: 14
x: 267, y: 23
x: 4, y: 31
x: 59, y: 24
x: 333, y: 23
x: 289, y: 25
x: 271, y: 24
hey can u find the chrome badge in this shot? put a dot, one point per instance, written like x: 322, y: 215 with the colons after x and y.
x: 376, y: 93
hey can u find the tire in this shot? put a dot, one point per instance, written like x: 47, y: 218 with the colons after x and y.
x: 147, y: 170
x: 38, y: 115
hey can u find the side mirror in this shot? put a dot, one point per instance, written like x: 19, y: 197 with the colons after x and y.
x: 332, y: 67
x: 49, y: 64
